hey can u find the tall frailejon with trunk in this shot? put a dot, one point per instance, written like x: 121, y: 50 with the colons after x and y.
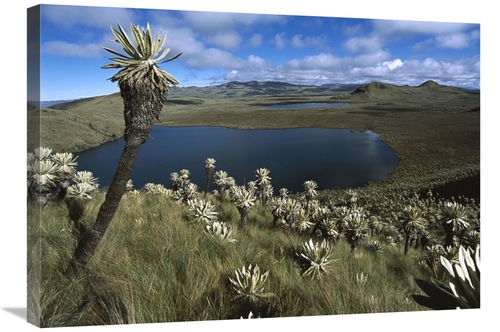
x: 143, y: 87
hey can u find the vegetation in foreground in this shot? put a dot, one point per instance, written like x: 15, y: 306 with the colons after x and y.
x: 180, y: 254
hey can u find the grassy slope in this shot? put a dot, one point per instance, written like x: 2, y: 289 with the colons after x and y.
x: 78, y: 125
x: 156, y: 266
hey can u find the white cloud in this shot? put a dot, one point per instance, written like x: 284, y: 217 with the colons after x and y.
x: 327, y: 68
x: 315, y: 62
x: 317, y: 41
x: 279, y: 40
x: 390, y: 28
x: 393, y: 64
x: 453, y: 41
x: 60, y: 48
x: 227, y: 40
x: 363, y: 44
x: 368, y: 59
x: 214, y: 22
x: 255, y: 40
x: 297, y: 41
x: 213, y: 58
x: 70, y: 16
x: 255, y: 62
x: 184, y: 40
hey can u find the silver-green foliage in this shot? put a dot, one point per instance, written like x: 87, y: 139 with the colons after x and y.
x: 47, y: 172
x: 220, y: 231
x: 319, y: 257
x: 463, y: 289
x: 202, y: 211
x: 157, y: 189
x: 249, y: 284
x: 141, y: 58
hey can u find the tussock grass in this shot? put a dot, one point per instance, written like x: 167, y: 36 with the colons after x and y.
x: 155, y: 266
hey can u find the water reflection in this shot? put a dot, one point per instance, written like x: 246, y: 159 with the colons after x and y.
x: 334, y: 158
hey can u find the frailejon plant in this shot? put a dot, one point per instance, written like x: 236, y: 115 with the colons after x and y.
x: 244, y: 200
x: 43, y: 180
x: 67, y: 168
x: 357, y: 229
x: 264, y: 184
x: 318, y: 258
x: 432, y: 259
x: 453, y: 219
x: 310, y: 192
x: 249, y: 286
x: 412, y: 223
x: 220, y: 231
x: 49, y: 174
x: 209, y: 169
x: 325, y: 223
x: 463, y: 289
x: 303, y: 221
x: 157, y: 189
x: 202, y: 211
x: 143, y: 88
x: 220, y: 181
x: 78, y: 195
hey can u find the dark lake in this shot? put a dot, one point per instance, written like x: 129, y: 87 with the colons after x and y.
x: 334, y: 158
x: 306, y: 105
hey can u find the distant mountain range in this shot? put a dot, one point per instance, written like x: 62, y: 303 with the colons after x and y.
x: 252, y: 89
x: 48, y: 103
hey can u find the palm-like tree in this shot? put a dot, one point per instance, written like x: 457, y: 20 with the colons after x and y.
x: 310, y: 192
x: 341, y: 216
x: 356, y: 230
x: 220, y: 181
x: 454, y: 220
x: 244, y: 200
x: 264, y: 183
x: 291, y: 210
x: 412, y: 223
x: 143, y: 88
x: 209, y: 168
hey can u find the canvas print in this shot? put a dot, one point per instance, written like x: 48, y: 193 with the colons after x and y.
x: 204, y: 166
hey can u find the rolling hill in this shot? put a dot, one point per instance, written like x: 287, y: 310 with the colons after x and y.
x: 429, y: 91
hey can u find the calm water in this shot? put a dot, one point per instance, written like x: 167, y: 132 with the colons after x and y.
x: 334, y: 158
x: 306, y: 105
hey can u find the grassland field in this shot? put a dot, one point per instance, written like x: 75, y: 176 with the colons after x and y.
x: 434, y: 132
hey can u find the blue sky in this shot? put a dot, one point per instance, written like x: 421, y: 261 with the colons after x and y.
x: 219, y: 47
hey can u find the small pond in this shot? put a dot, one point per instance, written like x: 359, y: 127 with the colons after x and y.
x: 306, y: 105
x: 334, y: 158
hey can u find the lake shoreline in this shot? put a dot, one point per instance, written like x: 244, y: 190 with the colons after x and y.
x: 333, y: 158
x: 429, y: 140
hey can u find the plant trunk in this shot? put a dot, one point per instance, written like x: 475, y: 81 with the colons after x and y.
x: 88, y: 244
x: 407, y: 244
x: 207, y: 185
